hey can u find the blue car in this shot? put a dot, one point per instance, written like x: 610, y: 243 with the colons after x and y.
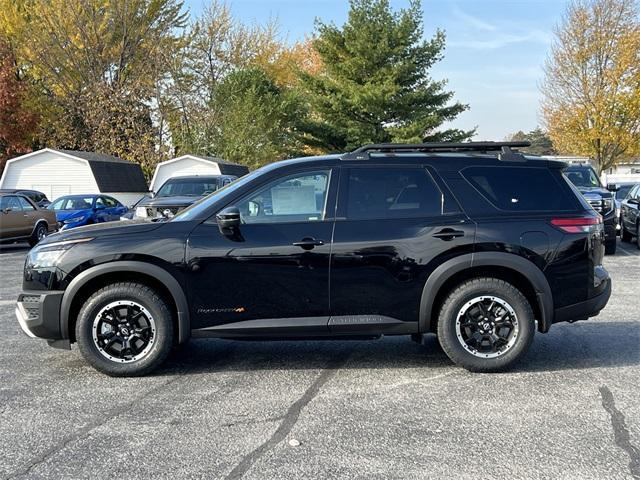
x: 78, y: 210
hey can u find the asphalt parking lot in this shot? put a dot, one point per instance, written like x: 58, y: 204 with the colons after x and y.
x: 377, y: 409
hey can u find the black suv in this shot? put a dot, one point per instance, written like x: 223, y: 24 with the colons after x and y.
x: 178, y: 193
x: 585, y: 178
x: 473, y: 242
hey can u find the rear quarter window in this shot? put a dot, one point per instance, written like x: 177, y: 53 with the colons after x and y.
x: 521, y: 189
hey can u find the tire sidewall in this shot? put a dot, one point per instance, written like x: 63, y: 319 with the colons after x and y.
x: 163, y: 330
x: 470, y: 290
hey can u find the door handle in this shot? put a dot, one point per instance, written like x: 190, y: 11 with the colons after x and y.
x: 308, y: 243
x: 448, y: 234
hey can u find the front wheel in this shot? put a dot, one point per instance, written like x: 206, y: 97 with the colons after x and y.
x: 610, y: 246
x: 125, y: 329
x: 486, y: 325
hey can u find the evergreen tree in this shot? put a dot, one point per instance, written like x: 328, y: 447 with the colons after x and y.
x: 376, y: 86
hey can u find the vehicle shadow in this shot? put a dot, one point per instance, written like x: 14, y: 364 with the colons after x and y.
x: 566, y: 347
x: 14, y: 247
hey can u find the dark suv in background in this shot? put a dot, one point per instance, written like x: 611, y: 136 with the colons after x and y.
x: 178, y: 193
x: 585, y: 178
x: 474, y: 242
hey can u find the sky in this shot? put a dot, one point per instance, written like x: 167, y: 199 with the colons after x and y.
x: 495, y: 50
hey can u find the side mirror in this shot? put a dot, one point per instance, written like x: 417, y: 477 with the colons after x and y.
x: 612, y: 187
x: 5, y: 210
x: 152, y: 194
x: 228, y: 220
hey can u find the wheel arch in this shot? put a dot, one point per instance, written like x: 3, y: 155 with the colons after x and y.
x: 154, y: 276
x: 524, y: 274
x: 38, y: 222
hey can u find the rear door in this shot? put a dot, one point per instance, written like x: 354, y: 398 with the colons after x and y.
x: 394, y: 225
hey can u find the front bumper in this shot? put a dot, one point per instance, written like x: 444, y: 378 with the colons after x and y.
x: 588, y: 308
x: 38, y: 314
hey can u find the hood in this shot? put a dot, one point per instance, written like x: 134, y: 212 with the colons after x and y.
x: 62, y: 215
x: 102, y: 229
x: 169, y: 202
x: 603, y: 192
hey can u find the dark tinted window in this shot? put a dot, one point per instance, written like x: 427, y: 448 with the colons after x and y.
x: 583, y: 177
x: 520, y: 188
x: 374, y: 193
x: 188, y: 187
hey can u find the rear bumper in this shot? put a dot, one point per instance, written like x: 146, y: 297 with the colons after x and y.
x: 38, y: 314
x: 586, y: 309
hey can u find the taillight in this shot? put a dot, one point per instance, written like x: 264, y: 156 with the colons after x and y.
x: 577, y: 224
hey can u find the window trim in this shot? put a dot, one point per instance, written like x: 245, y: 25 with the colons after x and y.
x: 329, y: 199
x: 341, y: 206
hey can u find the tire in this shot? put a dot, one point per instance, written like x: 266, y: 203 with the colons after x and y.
x: 610, y: 247
x: 624, y: 235
x: 120, y: 315
x: 38, y: 234
x: 452, y: 334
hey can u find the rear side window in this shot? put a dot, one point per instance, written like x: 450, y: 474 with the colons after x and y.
x: 521, y: 189
x: 380, y: 193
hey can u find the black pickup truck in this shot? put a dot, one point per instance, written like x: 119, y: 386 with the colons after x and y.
x: 585, y: 178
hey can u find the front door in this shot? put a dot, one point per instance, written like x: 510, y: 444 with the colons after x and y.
x: 274, y: 270
x: 13, y: 221
x: 393, y: 224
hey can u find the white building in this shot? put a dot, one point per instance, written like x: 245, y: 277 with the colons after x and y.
x: 194, y: 165
x: 627, y: 172
x: 68, y: 172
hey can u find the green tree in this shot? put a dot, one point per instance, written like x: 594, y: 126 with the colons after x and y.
x: 541, y: 143
x: 375, y: 86
x: 255, y: 119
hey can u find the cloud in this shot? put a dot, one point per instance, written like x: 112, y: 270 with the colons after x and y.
x: 501, y: 40
x: 474, y: 22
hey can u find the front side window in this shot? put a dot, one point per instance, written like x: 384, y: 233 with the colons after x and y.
x: 296, y: 198
x: 380, y: 193
x: 10, y: 204
x: 110, y: 202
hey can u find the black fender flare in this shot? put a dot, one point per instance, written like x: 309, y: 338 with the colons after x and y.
x: 507, y: 260
x: 160, y: 274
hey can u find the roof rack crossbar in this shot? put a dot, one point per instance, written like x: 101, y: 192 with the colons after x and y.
x: 503, y: 147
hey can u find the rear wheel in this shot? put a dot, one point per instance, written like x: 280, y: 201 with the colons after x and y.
x: 624, y: 235
x: 38, y: 234
x: 486, y: 325
x: 125, y: 329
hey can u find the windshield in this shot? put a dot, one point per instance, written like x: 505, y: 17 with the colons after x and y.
x: 194, y: 210
x: 193, y: 187
x: 583, y: 177
x: 623, y: 191
x: 72, y: 203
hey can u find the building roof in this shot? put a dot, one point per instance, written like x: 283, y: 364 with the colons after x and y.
x: 112, y: 174
x: 226, y: 167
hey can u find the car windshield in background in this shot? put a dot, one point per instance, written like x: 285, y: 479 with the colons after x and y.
x: 188, y: 187
x: 72, y: 203
x: 583, y: 177
x: 200, y: 206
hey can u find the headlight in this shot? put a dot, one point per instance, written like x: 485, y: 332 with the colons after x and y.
x: 74, y: 219
x: 49, y: 254
x: 607, y: 203
x: 141, y: 212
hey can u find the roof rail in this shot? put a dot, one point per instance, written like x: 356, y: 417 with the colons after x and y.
x: 504, y: 148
